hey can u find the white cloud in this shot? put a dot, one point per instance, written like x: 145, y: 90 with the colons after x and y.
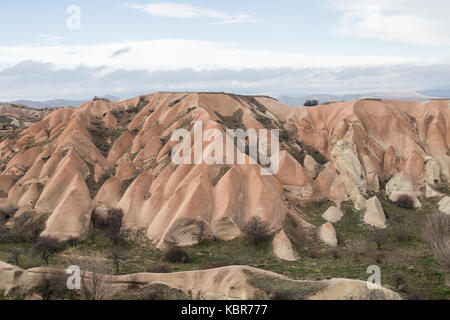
x: 42, y: 81
x: 187, y: 11
x: 49, y: 37
x: 164, y: 54
x: 407, y: 21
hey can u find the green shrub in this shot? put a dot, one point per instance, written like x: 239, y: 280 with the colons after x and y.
x: 405, y: 202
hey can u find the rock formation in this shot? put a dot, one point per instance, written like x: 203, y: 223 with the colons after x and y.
x: 282, y: 247
x: 117, y: 155
x: 333, y: 214
x: 374, y: 214
x: 233, y: 282
x: 327, y: 233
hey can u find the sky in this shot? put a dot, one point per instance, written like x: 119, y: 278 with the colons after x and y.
x: 78, y: 49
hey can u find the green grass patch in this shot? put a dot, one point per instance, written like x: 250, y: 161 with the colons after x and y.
x: 282, y: 289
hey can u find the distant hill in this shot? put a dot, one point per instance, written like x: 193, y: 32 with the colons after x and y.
x: 438, y: 93
x: 403, y: 95
x: 20, y: 116
x: 58, y: 102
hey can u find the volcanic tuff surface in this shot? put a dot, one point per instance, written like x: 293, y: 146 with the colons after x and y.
x: 117, y: 155
x: 21, y: 115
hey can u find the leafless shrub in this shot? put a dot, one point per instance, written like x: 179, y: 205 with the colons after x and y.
x: 313, y: 253
x: 53, y: 286
x: 202, y: 233
x: 27, y: 227
x: 412, y: 293
x: 114, y: 221
x: 256, y: 229
x: 357, y: 247
x: 172, y: 241
x: 161, y: 268
x: 109, y: 222
x: 5, y: 235
x: 405, y: 202
x: 134, y: 284
x: 117, y: 256
x: 14, y: 256
x: 380, y: 237
x: 96, y: 279
x: 398, y: 280
x: 177, y: 255
x: 7, y: 213
x: 45, y: 247
x: 401, y: 284
x: 402, y: 230
x: 159, y: 291
x: 437, y: 234
x: 335, y: 254
x: 119, y: 237
x: 73, y: 242
x: 100, y: 219
x: 221, y: 264
x: 92, y: 233
x: 379, y: 257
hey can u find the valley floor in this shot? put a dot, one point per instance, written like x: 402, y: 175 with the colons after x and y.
x: 407, y: 265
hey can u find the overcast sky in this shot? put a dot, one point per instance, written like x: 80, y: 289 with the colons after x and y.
x: 77, y: 49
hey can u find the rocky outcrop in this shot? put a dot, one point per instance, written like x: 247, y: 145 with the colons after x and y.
x: 431, y: 193
x: 432, y: 172
x: 374, y: 214
x: 327, y: 233
x: 311, y: 166
x: 233, y: 282
x: 333, y: 214
x: 9, y: 276
x: 282, y: 247
x: 351, y: 173
x: 444, y: 205
x: 401, y: 185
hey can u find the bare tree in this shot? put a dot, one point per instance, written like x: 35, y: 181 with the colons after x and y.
x: 47, y: 247
x: 114, y: 221
x: 117, y: 256
x: 357, y: 247
x: 172, y: 241
x: 202, y: 233
x: 6, y: 214
x: 53, y: 285
x: 111, y: 223
x: 437, y: 234
x: 256, y: 229
x: 14, y: 257
x: 5, y: 235
x: 96, y: 279
x: 380, y: 237
x: 27, y: 227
